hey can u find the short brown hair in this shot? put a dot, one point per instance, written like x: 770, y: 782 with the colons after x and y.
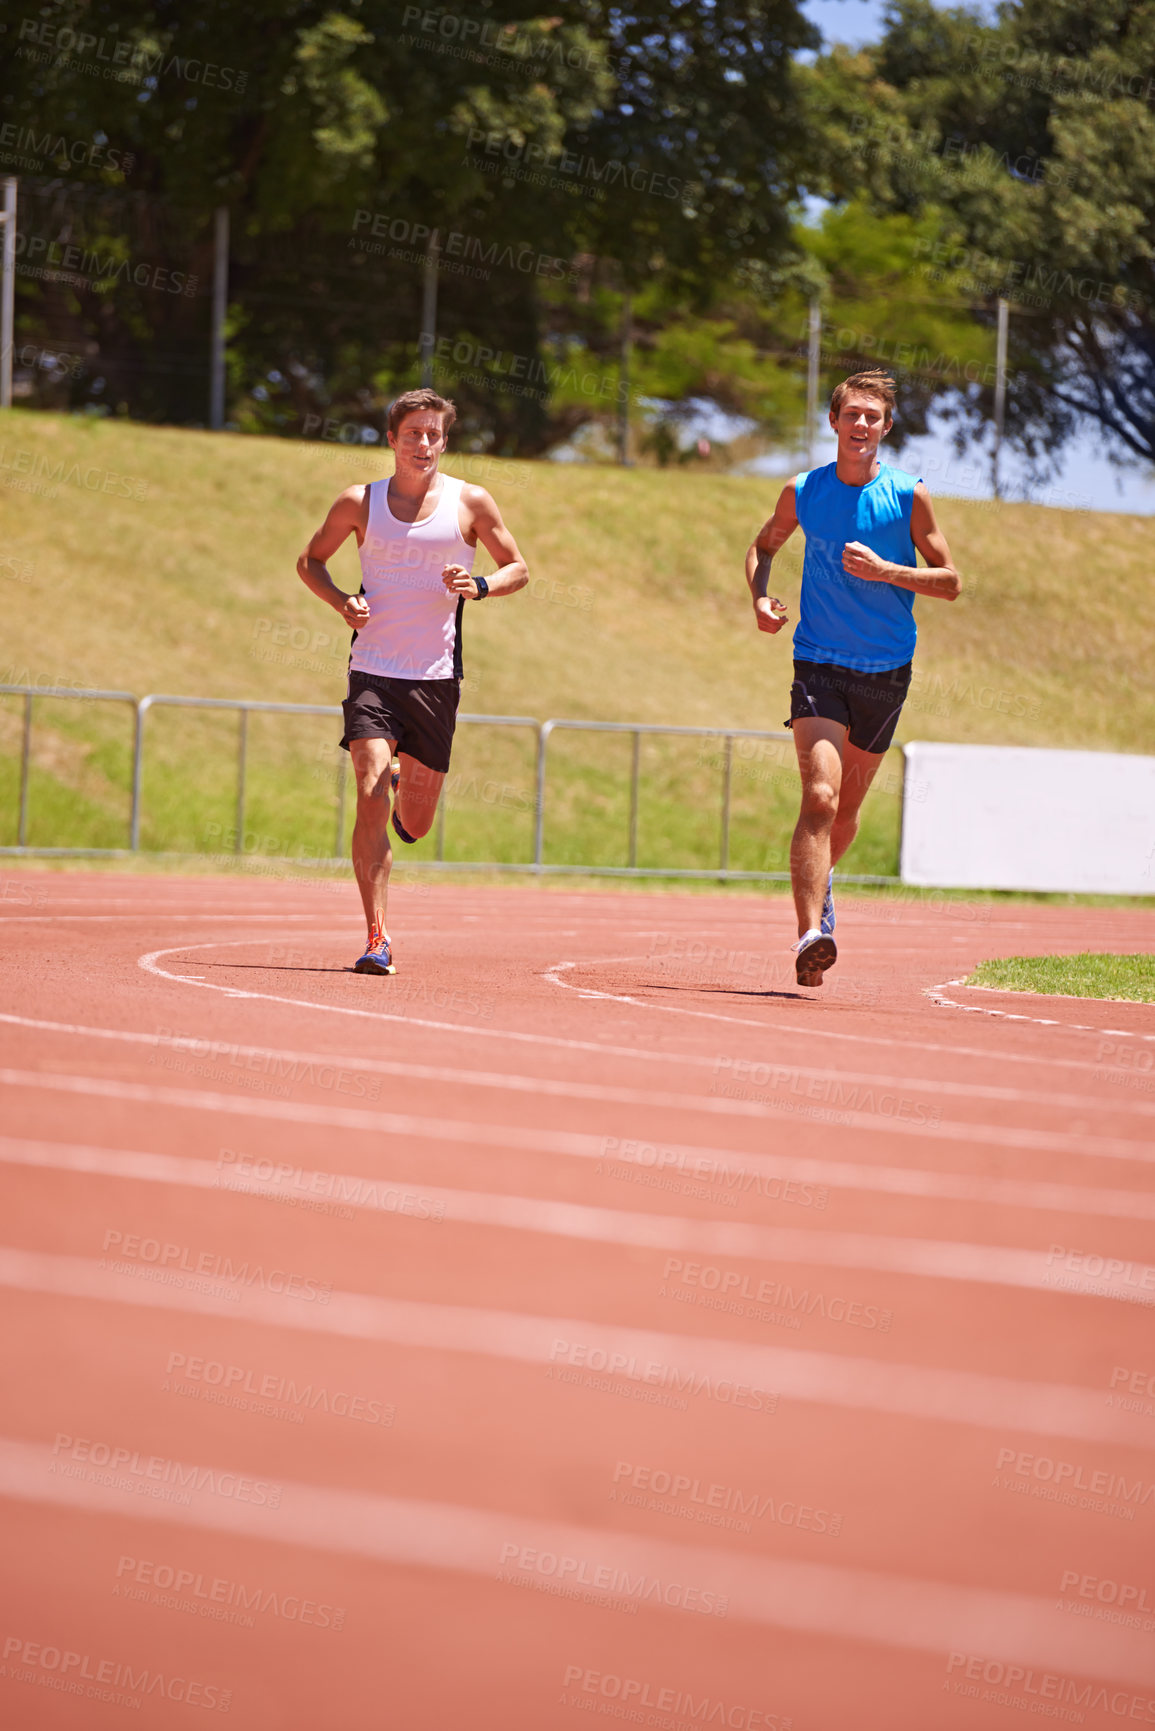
x: 873, y: 383
x: 426, y: 398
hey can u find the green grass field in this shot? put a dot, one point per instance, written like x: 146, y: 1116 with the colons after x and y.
x: 1116, y: 979
x: 145, y: 559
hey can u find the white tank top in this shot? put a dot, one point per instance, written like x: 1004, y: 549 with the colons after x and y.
x: 414, y: 629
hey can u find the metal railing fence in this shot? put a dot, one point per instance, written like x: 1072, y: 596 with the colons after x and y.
x: 543, y: 732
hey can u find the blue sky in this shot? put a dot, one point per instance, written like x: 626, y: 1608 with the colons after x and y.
x: 1089, y: 480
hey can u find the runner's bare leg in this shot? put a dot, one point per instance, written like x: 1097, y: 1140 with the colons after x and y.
x: 417, y: 794
x: 372, y: 854
x: 835, y: 778
x: 859, y: 769
x: 818, y: 743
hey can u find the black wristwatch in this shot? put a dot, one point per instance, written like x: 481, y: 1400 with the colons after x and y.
x: 482, y: 588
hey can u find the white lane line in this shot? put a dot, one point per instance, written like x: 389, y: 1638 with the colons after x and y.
x: 937, y: 996
x: 184, y: 1099
x: 510, y: 1082
x: 698, y: 1365
x: 690, y: 1171
x: 922, y: 1258
x: 172, y: 916
x: 151, y: 964
x: 506, y: 1548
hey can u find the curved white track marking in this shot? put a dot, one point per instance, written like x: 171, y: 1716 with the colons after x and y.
x: 889, y: 1610
x: 151, y: 964
x: 689, y: 1172
x: 645, y: 1357
x: 936, y: 994
x: 777, y: 1075
x: 453, y: 1129
x: 552, y: 975
x: 1008, y: 1266
x: 171, y: 916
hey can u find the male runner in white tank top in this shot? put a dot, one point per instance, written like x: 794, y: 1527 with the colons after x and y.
x: 417, y: 532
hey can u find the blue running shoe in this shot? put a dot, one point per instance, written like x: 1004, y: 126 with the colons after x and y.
x: 826, y: 923
x: 814, y: 952
x: 378, y: 957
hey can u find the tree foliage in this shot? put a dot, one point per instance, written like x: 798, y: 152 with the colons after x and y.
x: 1033, y: 139
x: 562, y: 158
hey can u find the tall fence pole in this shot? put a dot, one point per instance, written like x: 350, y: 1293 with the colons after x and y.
x: 812, y: 352
x: 727, y: 778
x: 1000, y: 390
x: 8, y: 291
x: 543, y: 734
x: 25, y: 770
x: 429, y: 308
x: 242, y: 775
x: 635, y: 768
x: 220, y: 308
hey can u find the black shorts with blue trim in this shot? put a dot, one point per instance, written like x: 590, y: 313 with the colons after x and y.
x: 868, y: 705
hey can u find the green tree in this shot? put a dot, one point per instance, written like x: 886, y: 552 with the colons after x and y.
x: 1033, y: 138
x: 609, y: 148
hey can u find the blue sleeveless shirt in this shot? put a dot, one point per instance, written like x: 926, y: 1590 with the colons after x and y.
x: 845, y: 619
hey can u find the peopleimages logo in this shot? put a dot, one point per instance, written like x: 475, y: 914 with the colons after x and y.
x: 634, y: 1692
x: 1061, y: 1478
x: 155, y: 1475
x: 1010, y: 1685
x: 60, y: 1668
x: 236, y: 1381
x: 219, y: 1598
x: 667, y: 1378
x: 131, y: 1247
x: 606, y: 1578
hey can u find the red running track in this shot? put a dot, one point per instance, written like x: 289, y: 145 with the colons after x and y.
x: 583, y: 1322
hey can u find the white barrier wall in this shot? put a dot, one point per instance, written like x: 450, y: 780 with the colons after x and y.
x: 1013, y: 818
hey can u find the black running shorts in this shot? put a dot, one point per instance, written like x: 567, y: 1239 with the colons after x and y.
x: 420, y: 714
x: 867, y: 704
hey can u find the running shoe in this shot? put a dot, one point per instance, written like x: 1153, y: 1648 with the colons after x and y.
x: 826, y: 923
x: 395, y: 774
x: 401, y: 831
x: 378, y: 957
x: 814, y: 952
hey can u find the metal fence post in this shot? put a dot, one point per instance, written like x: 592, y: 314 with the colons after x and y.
x: 539, y: 817
x: 242, y: 766
x: 137, y: 774
x: 635, y: 762
x: 342, y: 783
x: 441, y: 827
x: 724, y: 857
x: 25, y: 762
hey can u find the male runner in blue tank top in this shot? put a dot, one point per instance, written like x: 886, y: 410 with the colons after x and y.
x: 855, y: 635
x: 417, y: 533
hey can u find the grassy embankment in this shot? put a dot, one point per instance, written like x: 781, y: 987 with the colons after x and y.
x: 180, y: 578
x: 1117, y: 979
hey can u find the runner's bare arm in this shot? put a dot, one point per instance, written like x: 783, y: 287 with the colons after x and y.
x: 486, y: 526
x: 940, y: 578
x: 346, y: 517
x: 770, y: 613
